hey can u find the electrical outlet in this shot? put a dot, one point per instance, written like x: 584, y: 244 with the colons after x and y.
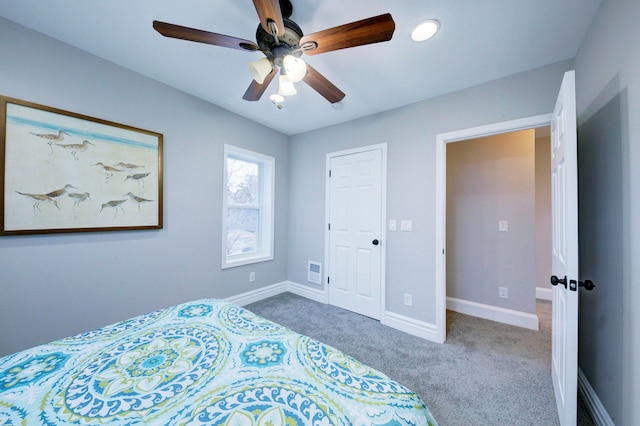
x: 503, y: 292
x: 252, y: 277
x: 406, y: 225
x: 408, y: 299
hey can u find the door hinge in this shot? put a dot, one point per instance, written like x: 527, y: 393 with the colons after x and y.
x: 329, y: 226
x: 329, y: 172
x: 328, y: 280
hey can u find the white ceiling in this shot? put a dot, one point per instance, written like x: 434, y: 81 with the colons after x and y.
x: 479, y: 41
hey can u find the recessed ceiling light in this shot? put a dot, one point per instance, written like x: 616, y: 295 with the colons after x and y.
x: 425, y: 30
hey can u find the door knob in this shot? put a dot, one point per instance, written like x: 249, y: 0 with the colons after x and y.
x: 573, y: 284
x: 375, y: 242
x: 587, y: 284
x: 555, y: 280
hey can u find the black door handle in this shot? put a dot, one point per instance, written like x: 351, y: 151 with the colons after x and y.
x: 375, y: 242
x: 555, y: 280
x: 573, y: 284
x: 588, y: 285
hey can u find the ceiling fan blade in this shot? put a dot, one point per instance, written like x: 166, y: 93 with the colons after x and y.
x: 367, y: 31
x: 200, y: 36
x: 269, y: 10
x: 320, y: 84
x: 255, y: 90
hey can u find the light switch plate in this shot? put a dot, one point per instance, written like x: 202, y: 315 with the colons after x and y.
x: 503, y: 226
x: 393, y: 225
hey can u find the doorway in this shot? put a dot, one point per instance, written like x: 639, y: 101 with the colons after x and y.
x: 441, y: 143
x: 498, y: 218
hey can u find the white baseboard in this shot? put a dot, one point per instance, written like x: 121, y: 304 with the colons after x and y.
x: 316, y: 294
x: 596, y: 409
x: 258, y: 294
x: 410, y: 326
x: 544, y: 293
x: 494, y: 313
x: 278, y: 288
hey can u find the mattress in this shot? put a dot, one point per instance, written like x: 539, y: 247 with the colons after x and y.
x: 199, y: 363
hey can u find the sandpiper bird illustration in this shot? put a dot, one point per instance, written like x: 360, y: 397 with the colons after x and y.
x: 39, y: 199
x: 51, y: 137
x: 74, y: 148
x: 138, y: 177
x: 114, y: 204
x: 108, y: 169
x: 128, y: 166
x: 78, y: 198
x: 61, y: 192
x: 137, y: 200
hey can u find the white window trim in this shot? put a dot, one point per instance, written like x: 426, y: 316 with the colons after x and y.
x: 267, y: 218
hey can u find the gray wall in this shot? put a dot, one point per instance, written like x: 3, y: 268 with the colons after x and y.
x: 492, y: 179
x: 608, y: 102
x: 411, y: 136
x: 601, y: 252
x: 53, y: 286
x: 543, y: 212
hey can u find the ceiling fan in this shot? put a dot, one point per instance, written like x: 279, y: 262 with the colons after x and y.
x: 282, y: 42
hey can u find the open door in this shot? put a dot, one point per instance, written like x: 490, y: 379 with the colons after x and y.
x: 564, y: 216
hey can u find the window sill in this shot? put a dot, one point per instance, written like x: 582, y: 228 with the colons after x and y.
x: 245, y: 261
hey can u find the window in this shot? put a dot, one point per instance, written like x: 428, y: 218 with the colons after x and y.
x: 247, y: 216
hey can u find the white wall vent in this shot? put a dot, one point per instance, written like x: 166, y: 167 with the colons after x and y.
x: 314, y: 272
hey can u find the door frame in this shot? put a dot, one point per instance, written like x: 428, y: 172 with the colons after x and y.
x: 440, y: 203
x: 383, y: 216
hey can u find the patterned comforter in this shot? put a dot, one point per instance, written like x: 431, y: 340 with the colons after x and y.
x: 204, y: 362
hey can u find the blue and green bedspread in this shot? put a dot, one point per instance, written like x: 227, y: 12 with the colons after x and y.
x: 204, y: 362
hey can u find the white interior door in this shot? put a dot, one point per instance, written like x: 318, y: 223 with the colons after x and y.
x: 355, y: 232
x: 564, y: 206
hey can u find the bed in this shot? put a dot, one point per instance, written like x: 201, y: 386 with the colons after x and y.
x: 203, y: 362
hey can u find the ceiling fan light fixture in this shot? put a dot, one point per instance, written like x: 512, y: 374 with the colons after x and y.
x: 425, y: 30
x: 260, y: 69
x: 285, y: 86
x: 295, y: 68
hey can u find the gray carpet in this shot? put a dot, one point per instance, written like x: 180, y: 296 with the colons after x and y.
x: 487, y: 373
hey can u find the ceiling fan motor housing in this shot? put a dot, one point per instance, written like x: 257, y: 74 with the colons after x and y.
x: 286, y: 44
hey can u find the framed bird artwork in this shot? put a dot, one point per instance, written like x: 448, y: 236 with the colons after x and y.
x: 66, y: 172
